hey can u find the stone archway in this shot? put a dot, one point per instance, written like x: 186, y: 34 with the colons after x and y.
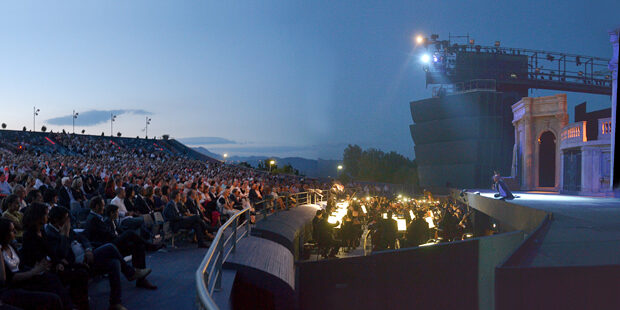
x: 547, y: 159
x: 538, y: 123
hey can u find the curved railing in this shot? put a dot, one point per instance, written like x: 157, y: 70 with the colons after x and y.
x: 209, y: 273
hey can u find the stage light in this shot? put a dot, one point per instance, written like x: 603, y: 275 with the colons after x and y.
x: 419, y: 39
x: 425, y: 58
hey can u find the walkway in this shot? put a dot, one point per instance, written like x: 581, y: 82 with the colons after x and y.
x: 173, y: 272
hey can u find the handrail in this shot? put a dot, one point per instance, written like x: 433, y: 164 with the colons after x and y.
x: 208, y: 281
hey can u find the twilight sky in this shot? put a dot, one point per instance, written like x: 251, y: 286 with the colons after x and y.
x: 284, y: 78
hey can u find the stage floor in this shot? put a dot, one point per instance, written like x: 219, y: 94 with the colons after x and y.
x: 584, y: 230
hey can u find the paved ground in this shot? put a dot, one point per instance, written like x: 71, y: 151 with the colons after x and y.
x: 173, y: 272
x: 584, y: 230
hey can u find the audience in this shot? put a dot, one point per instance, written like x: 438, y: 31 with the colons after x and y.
x: 108, y: 198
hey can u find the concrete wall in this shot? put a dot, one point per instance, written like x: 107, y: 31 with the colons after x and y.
x: 510, y: 216
x: 492, y: 251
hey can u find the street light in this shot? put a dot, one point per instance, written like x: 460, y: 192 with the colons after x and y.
x: 35, y: 112
x: 339, y: 167
x: 112, y: 119
x: 75, y: 115
x: 225, y: 155
x: 271, y: 163
x: 419, y: 39
x: 146, y: 127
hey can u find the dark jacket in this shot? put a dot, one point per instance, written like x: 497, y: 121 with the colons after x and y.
x: 61, y: 245
x: 172, y: 214
x: 97, y: 231
x: 63, y: 197
x: 34, y: 249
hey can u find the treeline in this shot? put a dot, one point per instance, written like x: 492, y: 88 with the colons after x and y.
x: 374, y: 165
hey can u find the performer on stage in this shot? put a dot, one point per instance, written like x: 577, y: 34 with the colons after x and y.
x: 502, y: 189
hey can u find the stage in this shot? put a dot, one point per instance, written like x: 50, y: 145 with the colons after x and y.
x: 584, y: 231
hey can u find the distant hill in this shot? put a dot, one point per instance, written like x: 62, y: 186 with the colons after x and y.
x: 310, y: 167
x: 202, y: 150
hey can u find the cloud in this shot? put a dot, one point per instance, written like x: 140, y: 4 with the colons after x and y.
x: 94, y: 117
x: 206, y: 140
x: 325, y: 151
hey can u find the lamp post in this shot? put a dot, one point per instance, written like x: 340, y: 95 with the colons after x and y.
x: 35, y: 112
x: 271, y: 163
x: 146, y: 127
x: 339, y: 169
x: 112, y: 119
x: 75, y: 115
x: 225, y: 155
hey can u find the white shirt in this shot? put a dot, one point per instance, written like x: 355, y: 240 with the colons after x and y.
x: 122, y: 210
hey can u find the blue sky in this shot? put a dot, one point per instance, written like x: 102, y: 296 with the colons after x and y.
x: 284, y: 78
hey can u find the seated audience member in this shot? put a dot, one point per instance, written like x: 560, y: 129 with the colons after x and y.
x: 35, y: 249
x: 126, y: 217
x: 105, y: 259
x: 77, y: 193
x: 101, y: 229
x: 36, y: 279
x: 34, y: 196
x: 5, y: 187
x: 225, y: 205
x: 64, y: 193
x: 10, y: 211
x: 178, y: 220
x: 20, y: 192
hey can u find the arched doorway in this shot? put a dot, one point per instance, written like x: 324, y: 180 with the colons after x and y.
x: 546, y: 160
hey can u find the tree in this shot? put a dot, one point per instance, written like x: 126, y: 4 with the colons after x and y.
x: 83, y: 131
x: 118, y: 134
x: 351, y: 160
x: 43, y: 129
x: 245, y: 164
x: 102, y: 133
x: 166, y: 136
x: 3, y: 125
x: 377, y: 166
x: 24, y: 129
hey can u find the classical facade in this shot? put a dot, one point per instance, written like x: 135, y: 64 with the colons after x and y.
x: 538, y: 123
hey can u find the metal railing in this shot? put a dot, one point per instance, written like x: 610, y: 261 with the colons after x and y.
x: 209, y: 274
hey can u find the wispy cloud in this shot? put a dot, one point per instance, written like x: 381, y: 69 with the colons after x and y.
x: 94, y: 117
x: 206, y: 140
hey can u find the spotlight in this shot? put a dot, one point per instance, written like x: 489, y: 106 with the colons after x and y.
x: 426, y: 58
